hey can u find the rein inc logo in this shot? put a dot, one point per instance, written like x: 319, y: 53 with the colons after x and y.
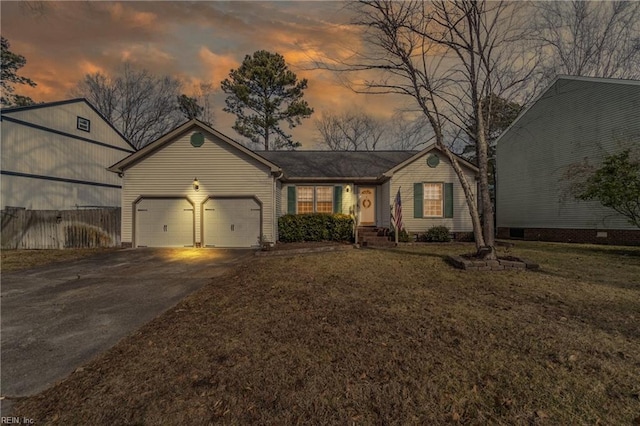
x: 16, y: 421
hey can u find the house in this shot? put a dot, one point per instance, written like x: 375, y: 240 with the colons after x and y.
x: 55, y: 157
x: 197, y: 187
x: 576, y: 119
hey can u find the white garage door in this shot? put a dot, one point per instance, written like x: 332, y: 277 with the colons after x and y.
x: 232, y: 222
x: 164, y: 223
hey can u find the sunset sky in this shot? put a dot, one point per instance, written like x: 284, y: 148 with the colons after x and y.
x: 193, y: 41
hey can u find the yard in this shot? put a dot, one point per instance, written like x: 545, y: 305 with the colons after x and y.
x: 379, y: 337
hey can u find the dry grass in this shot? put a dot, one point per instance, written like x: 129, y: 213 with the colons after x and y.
x: 15, y: 260
x: 379, y: 337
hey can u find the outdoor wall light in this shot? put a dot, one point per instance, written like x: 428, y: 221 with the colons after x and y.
x: 348, y: 188
x: 196, y: 184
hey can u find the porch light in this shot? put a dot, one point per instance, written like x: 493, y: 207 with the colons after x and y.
x: 348, y: 188
x: 196, y: 184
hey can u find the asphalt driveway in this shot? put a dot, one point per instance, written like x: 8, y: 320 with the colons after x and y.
x: 56, y: 318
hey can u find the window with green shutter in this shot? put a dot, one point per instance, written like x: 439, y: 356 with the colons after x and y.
x: 291, y: 200
x: 448, y: 200
x: 417, y: 200
x: 337, y: 199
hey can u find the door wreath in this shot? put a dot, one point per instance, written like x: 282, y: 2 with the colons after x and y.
x: 366, y: 204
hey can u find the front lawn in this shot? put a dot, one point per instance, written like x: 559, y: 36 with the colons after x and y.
x: 379, y: 337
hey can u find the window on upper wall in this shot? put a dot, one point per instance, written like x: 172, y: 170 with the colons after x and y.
x: 433, y: 200
x: 83, y: 124
x: 314, y: 199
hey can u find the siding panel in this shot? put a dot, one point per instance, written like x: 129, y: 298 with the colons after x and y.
x: 573, y: 120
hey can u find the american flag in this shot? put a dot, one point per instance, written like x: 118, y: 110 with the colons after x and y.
x: 397, y: 212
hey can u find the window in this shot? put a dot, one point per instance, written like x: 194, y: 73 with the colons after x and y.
x: 314, y: 199
x: 433, y: 204
x: 305, y: 199
x: 324, y: 199
x: 83, y: 124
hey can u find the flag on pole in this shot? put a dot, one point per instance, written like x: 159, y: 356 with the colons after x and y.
x: 397, y: 213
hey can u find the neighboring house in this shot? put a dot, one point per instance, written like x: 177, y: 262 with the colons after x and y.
x: 55, y: 157
x: 576, y: 119
x: 197, y: 187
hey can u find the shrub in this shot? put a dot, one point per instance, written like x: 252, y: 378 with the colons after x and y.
x: 438, y: 234
x: 315, y: 227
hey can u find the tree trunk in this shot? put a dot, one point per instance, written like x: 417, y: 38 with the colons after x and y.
x: 489, y: 252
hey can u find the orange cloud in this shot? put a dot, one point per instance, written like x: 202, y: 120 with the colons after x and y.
x: 216, y: 66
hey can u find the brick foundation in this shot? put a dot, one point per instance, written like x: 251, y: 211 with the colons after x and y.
x: 561, y: 235
x: 126, y: 245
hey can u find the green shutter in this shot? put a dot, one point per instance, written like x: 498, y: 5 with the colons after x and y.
x: 337, y: 199
x: 418, y: 196
x: 291, y: 199
x: 448, y: 200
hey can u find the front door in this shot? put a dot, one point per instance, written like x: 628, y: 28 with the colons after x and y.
x: 367, y: 203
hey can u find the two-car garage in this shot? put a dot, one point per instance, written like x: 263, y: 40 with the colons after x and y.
x: 232, y: 222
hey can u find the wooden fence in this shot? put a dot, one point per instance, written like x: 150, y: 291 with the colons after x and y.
x: 58, y: 229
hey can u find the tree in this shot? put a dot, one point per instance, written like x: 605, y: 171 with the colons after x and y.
x: 189, y: 107
x: 353, y: 130
x: 140, y: 104
x: 616, y: 185
x: 11, y: 63
x: 447, y: 57
x: 589, y: 38
x: 262, y: 93
x: 498, y: 114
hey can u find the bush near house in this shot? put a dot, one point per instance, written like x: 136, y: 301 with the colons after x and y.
x: 437, y: 234
x: 315, y: 227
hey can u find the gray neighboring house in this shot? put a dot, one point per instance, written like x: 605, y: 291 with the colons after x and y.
x: 55, y: 157
x: 575, y: 119
x: 197, y: 187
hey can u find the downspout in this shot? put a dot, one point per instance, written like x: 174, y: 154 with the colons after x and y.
x: 275, y: 207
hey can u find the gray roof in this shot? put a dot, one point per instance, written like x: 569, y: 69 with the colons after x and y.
x: 336, y: 164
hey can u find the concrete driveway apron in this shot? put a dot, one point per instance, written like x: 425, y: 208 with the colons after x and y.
x: 56, y: 318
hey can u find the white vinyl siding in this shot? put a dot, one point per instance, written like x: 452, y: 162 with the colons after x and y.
x: 573, y: 120
x: 419, y: 172
x: 221, y: 169
x: 40, y: 152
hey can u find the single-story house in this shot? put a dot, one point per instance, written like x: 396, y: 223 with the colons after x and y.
x: 55, y: 157
x: 576, y: 119
x: 197, y: 187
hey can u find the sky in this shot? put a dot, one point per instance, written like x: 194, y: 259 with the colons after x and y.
x: 196, y: 42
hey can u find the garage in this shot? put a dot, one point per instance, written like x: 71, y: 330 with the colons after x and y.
x: 231, y: 222
x: 164, y: 222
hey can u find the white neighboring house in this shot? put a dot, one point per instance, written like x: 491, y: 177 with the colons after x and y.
x: 55, y: 157
x: 575, y: 119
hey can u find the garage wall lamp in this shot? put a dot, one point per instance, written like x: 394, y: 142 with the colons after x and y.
x: 196, y: 184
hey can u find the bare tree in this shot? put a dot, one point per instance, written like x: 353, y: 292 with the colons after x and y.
x: 589, y: 38
x: 203, y: 92
x: 141, y: 105
x: 407, y: 133
x: 353, y: 130
x: 447, y: 57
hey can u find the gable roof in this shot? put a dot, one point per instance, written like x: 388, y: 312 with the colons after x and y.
x: 10, y: 110
x: 335, y: 165
x: 550, y: 88
x: 134, y: 158
x: 424, y: 152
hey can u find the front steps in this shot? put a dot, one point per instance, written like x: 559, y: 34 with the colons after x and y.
x: 371, y: 236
